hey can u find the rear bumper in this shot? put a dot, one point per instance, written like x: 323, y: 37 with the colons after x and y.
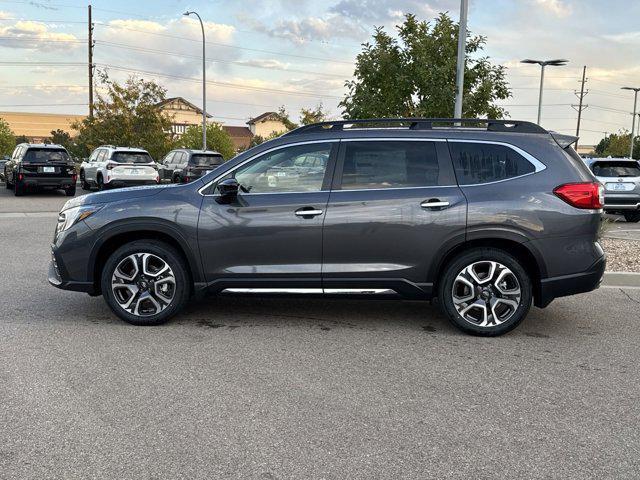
x: 617, y: 202
x: 60, y: 182
x: 130, y: 183
x: 551, y: 288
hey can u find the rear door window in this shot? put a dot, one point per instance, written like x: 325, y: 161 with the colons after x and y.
x: 388, y: 164
x: 477, y: 163
x: 616, y: 169
x: 45, y: 155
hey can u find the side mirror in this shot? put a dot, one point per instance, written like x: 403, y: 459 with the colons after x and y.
x: 228, y: 188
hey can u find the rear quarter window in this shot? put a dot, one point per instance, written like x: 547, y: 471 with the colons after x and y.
x: 477, y: 163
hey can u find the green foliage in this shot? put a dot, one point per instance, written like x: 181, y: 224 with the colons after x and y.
x: 60, y: 137
x: 313, y: 115
x: 217, y: 139
x: 414, y: 75
x: 127, y: 115
x: 283, y: 116
x: 21, y: 139
x: 7, y: 140
x: 617, y: 145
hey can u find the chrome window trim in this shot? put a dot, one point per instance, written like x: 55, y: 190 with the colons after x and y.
x: 537, y: 164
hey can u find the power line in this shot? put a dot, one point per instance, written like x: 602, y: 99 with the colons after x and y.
x: 213, y: 60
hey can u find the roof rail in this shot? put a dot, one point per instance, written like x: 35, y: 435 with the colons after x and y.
x: 506, y: 126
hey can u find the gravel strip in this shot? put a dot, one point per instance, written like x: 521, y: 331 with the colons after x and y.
x: 622, y: 255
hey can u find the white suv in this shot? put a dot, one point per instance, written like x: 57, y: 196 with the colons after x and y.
x: 110, y: 166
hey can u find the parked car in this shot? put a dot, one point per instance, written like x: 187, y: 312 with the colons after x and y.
x: 35, y: 165
x: 3, y: 162
x: 109, y: 166
x: 621, y: 180
x: 184, y: 165
x: 488, y: 217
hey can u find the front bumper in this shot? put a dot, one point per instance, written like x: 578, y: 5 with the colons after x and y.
x: 55, y: 278
x: 551, y: 288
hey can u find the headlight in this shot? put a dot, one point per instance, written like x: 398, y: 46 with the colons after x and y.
x: 68, y: 218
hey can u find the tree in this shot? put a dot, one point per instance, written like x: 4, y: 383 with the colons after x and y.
x: 312, y: 115
x: 60, y: 137
x: 415, y: 74
x: 21, y: 139
x: 617, y: 145
x: 217, y: 139
x: 7, y: 139
x: 127, y: 115
x: 283, y: 116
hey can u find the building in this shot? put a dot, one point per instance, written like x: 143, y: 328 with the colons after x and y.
x: 241, y: 136
x: 183, y: 114
x: 586, y: 150
x: 266, y: 124
x: 37, y: 127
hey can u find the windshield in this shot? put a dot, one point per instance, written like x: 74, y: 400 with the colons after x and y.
x: 204, y: 160
x: 616, y: 169
x: 45, y: 155
x: 131, y: 157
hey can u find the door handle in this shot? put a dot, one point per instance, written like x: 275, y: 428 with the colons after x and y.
x: 434, y: 203
x: 308, y: 212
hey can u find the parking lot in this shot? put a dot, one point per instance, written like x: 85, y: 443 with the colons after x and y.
x: 274, y: 388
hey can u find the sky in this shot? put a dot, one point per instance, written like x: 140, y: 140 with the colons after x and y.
x: 297, y: 53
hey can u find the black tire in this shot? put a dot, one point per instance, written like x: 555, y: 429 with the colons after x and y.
x: 7, y: 185
x: 70, y: 192
x: 19, y: 189
x: 101, y: 186
x: 83, y: 182
x: 468, y: 258
x: 171, y: 257
x: 176, y: 179
x: 632, y: 217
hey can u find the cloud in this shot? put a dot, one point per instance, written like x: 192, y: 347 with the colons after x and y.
x: 300, y: 31
x: 36, y: 36
x: 264, y: 63
x: 558, y: 8
x: 385, y: 12
x: 143, y: 43
x: 625, y: 37
x: 5, y: 15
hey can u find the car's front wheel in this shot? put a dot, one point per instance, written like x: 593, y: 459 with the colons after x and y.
x: 485, y: 292
x: 145, y: 282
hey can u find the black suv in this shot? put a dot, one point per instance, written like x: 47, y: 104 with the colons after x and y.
x: 489, y: 216
x: 183, y: 165
x: 40, y: 165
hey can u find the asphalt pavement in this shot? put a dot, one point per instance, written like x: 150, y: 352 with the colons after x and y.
x: 299, y: 388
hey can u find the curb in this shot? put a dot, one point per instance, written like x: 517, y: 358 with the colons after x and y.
x: 621, y: 279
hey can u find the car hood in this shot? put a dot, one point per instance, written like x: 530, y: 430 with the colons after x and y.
x: 115, y: 195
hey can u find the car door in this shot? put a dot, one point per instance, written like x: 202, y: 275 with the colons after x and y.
x: 272, y: 231
x: 165, y: 169
x: 394, y: 206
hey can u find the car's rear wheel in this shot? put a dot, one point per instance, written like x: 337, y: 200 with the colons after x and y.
x: 19, y: 189
x: 101, y: 184
x: 145, y: 282
x: 83, y: 182
x: 632, y: 217
x: 485, y: 292
x: 175, y: 179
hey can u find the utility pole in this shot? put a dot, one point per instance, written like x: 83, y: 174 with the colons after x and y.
x: 633, y: 121
x: 90, y: 64
x: 580, y: 105
x: 462, y: 47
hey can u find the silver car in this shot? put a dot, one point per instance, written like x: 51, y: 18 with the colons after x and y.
x: 621, y: 179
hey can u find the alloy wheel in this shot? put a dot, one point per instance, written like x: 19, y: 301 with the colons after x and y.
x: 143, y: 284
x: 486, y: 293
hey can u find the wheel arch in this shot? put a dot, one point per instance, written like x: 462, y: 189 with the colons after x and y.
x: 128, y: 233
x: 530, y: 258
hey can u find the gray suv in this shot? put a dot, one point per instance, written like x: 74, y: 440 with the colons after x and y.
x: 487, y: 216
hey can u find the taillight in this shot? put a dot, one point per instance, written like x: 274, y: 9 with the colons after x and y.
x: 20, y: 177
x: 582, y: 195
x: 157, y: 178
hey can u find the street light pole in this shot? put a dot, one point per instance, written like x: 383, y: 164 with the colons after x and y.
x: 204, y: 82
x: 633, y: 121
x: 543, y: 64
x: 462, y: 44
